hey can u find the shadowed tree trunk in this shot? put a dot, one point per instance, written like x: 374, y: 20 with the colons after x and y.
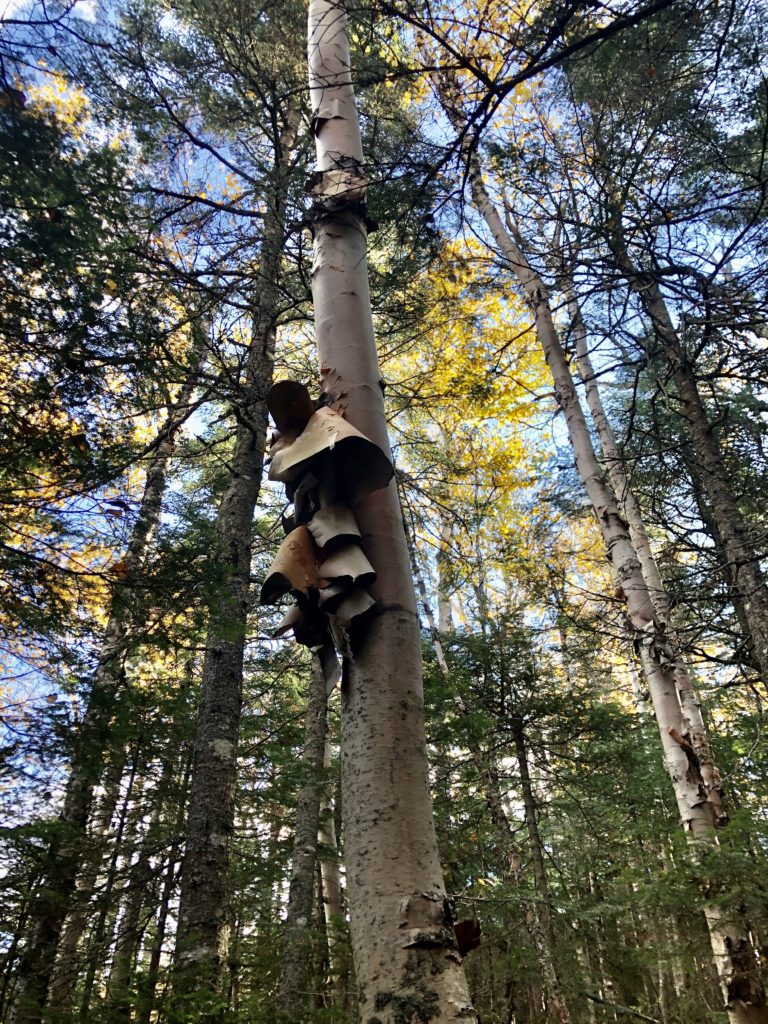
x: 203, y: 922
x: 64, y: 979
x: 332, y: 896
x: 292, y: 997
x: 406, y: 963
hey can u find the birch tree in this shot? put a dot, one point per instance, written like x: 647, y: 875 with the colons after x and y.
x: 406, y: 962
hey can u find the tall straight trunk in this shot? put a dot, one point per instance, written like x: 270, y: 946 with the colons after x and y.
x: 54, y: 897
x: 101, y: 935
x: 741, y: 562
x: 734, y: 957
x: 293, y: 997
x: 406, y: 963
x: 61, y: 993
x: 145, y: 1003
x: 330, y: 883
x: 130, y: 931
x: 696, y: 732
x: 203, y: 921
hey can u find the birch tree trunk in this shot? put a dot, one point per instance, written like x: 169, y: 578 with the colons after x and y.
x: 696, y: 732
x: 406, y: 963
x: 734, y: 956
x: 57, y: 888
x: 292, y: 997
x: 203, y: 922
x: 742, y: 565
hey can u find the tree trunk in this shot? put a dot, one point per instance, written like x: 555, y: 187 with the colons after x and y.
x: 292, y: 996
x: 742, y: 565
x: 54, y: 897
x: 332, y: 896
x: 131, y: 929
x: 734, y: 958
x: 203, y: 921
x: 101, y: 935
x: 61, y: 993
x: 696, y: 733
x: 406, y: 963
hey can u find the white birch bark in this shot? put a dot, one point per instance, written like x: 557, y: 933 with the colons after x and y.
x: 696, y: 733
x: 404, y: 951
x: 737, y: 970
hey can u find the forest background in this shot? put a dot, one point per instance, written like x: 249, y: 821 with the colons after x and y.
x: 566, y: 220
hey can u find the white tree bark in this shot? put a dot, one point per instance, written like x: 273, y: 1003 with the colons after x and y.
x: 731, y: 946
x: 406, y: 964
x: 696, y: 733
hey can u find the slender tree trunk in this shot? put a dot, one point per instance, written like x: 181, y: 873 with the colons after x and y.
x: 735, y: 960
x: 742, y: 564
x: 203, y: 922
x: 696, y: 733
x: 444, y: 613
x: 293, y: 997
x: 54, y: 897
x: 101, y: 935
x: 406, y: 963
x: 131, y: 929
x: 61, y: 993
x: 332, y: 896
x: 145, y: 1003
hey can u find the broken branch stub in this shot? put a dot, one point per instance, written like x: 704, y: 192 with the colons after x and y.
x: 337, y: 451
x: 294, y: 568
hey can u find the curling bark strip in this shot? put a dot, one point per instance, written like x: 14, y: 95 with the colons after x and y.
x: 406, y: 962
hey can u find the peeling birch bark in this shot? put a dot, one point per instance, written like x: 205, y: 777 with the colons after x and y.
x: 405, y: 958
x: 203, y: 921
